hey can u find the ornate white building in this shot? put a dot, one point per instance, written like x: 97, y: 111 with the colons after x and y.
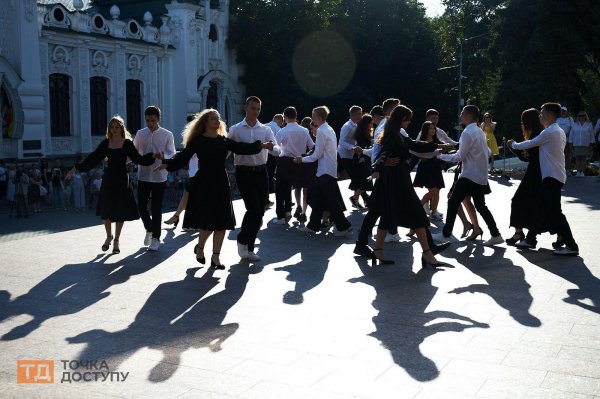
x: 67, y: 66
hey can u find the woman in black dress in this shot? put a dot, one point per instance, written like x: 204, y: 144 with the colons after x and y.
x: 116, y: 202
x: 306, y: 175
x: 209, y: 205
x: 362, y: 162
x: 524, y: 200
x: 394, y: 193
x: 429, y: 172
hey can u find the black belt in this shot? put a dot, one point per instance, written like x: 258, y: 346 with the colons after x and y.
x: 246, y: 168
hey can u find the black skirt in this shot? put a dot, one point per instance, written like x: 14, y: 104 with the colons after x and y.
x: 116, y: 201
x: 527, y: 199
x: 429, y: 174
x: 307, y: 173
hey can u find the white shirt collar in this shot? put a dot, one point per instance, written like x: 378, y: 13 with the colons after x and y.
x: 244, y: 122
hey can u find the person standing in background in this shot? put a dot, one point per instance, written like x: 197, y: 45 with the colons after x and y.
x: 275, y: 125
x: 581, y: 140
x: 488, y: 126
x: 565, y: 122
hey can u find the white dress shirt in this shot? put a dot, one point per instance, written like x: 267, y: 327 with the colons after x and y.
x: 442, y: 136
x: 274, y: 127
x: 347, y: 140
x: 160, y: 140
x: 293, y: 140
x: 193, y: 166
x: 552, y: 142
x: 325, y: 152
x: 377, y: 147
x: 474, y: 153
x: 597, y: 127
x: 565, y: 123
x: 582, y: 135
x: 244, y: 133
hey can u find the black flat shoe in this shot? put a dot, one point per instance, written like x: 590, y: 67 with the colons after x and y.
x: 200, y: 260
x: 437, y: 249
x: 559, y: 243
x: 214, y: 265
x: 515, y: 239
x: 375, y: 259
x: 363, y: 250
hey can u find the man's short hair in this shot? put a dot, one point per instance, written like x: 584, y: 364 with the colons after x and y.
x: 553, y: 108
x: 472, y: 110
x: 377, y: 111
x: 322, y: 112
x: 152, y: 110
x: 278, y: 117
x: 253, y: 99
x: 390, y: 104
x: 354, y: 109
x: 431, y: 112
x: 290, y: 113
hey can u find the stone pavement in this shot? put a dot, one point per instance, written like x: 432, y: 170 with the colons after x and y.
x: 309, y: 321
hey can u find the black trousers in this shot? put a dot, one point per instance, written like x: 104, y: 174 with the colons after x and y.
x: 465, y: 188
x: 326, y: 196
x: 271, y: 166
x: 366, y: 229
x: 154, y: 223
x: 254, y: 188
x: 283, y: 186
x: 550, y: 214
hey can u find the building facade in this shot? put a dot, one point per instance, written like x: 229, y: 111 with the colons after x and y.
x: 67, y: 66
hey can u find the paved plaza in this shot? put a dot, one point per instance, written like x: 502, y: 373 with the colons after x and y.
x: 308, y: 321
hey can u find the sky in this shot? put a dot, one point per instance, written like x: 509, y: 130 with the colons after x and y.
x: 434, y: 7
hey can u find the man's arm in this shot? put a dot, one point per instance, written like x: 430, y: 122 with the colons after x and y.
x: 170, y: 148
x: 346, y: 139
x: 542, y: 138
x: 466, y: 142
x: 319, y: 150
x: 271, y: 137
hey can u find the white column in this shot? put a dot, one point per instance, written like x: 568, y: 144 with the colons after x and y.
x: 82, y: 118
x: 120, y: 85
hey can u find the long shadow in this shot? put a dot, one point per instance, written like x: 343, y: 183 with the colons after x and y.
x: 506, y: 283
x: 74, y: 287
x: 175, y: 318
x: 403, y: 323
x: 574, y: 271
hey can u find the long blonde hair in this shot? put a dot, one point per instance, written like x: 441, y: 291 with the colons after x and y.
x: 197, y: 126
x: 124, y: 132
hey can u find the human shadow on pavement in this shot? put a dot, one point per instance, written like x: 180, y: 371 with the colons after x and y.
x: 506, y: 283
x: 403, y: 323
x: 75, y: 287
x: 573, y: 270
x: 176, y: 317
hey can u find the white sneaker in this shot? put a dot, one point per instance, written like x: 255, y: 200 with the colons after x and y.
x: 278, y: 221
x: 305, y: 229
x: 437, y: 216
x: 392, y: 237
x: 253, y: 257
x: 154, y: 244
x: 494, y: 241
x: 342, y: 233
x: 427, y: 210
x: 242, y: 251
x: 148, y: 238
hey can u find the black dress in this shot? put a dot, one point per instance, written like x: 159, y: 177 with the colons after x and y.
x: 115, y: 199
x: 429, y: 174
x: 209, y: 204
x: 525, y: 199
x: 362, y: 168
x: 394, y: 193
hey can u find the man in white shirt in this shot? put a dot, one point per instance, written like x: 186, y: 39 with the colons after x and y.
x: 551, y: 142
x: 251, y: 175
x: 275, y: 125
x: 293, y: 140
x: 326, y: 192
x: 155, y: 139
x: 388, y: 106
x: 347, y: 148
x: 474, y: 153
x: 565, y: 122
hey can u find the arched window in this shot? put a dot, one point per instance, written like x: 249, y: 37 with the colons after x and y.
x: 99, y: 105
x: 133, y: 91
x: 60, y: 105
x: 212, y: 99
x: 213, y: 34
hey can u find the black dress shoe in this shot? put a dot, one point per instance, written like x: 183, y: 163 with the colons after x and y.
x: 363, y: 250
x: 440, y: 247
x: 515, y: 239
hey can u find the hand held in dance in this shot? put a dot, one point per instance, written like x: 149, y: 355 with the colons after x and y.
x: 510, y: 143
x: 70, y: 173
x: 357, y: 150
x: 298, y: 160
x: 392, y: 161
x: 445, y: 147
x: 374, y: 176
x: 268, y: 145
x: 159, y: 155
